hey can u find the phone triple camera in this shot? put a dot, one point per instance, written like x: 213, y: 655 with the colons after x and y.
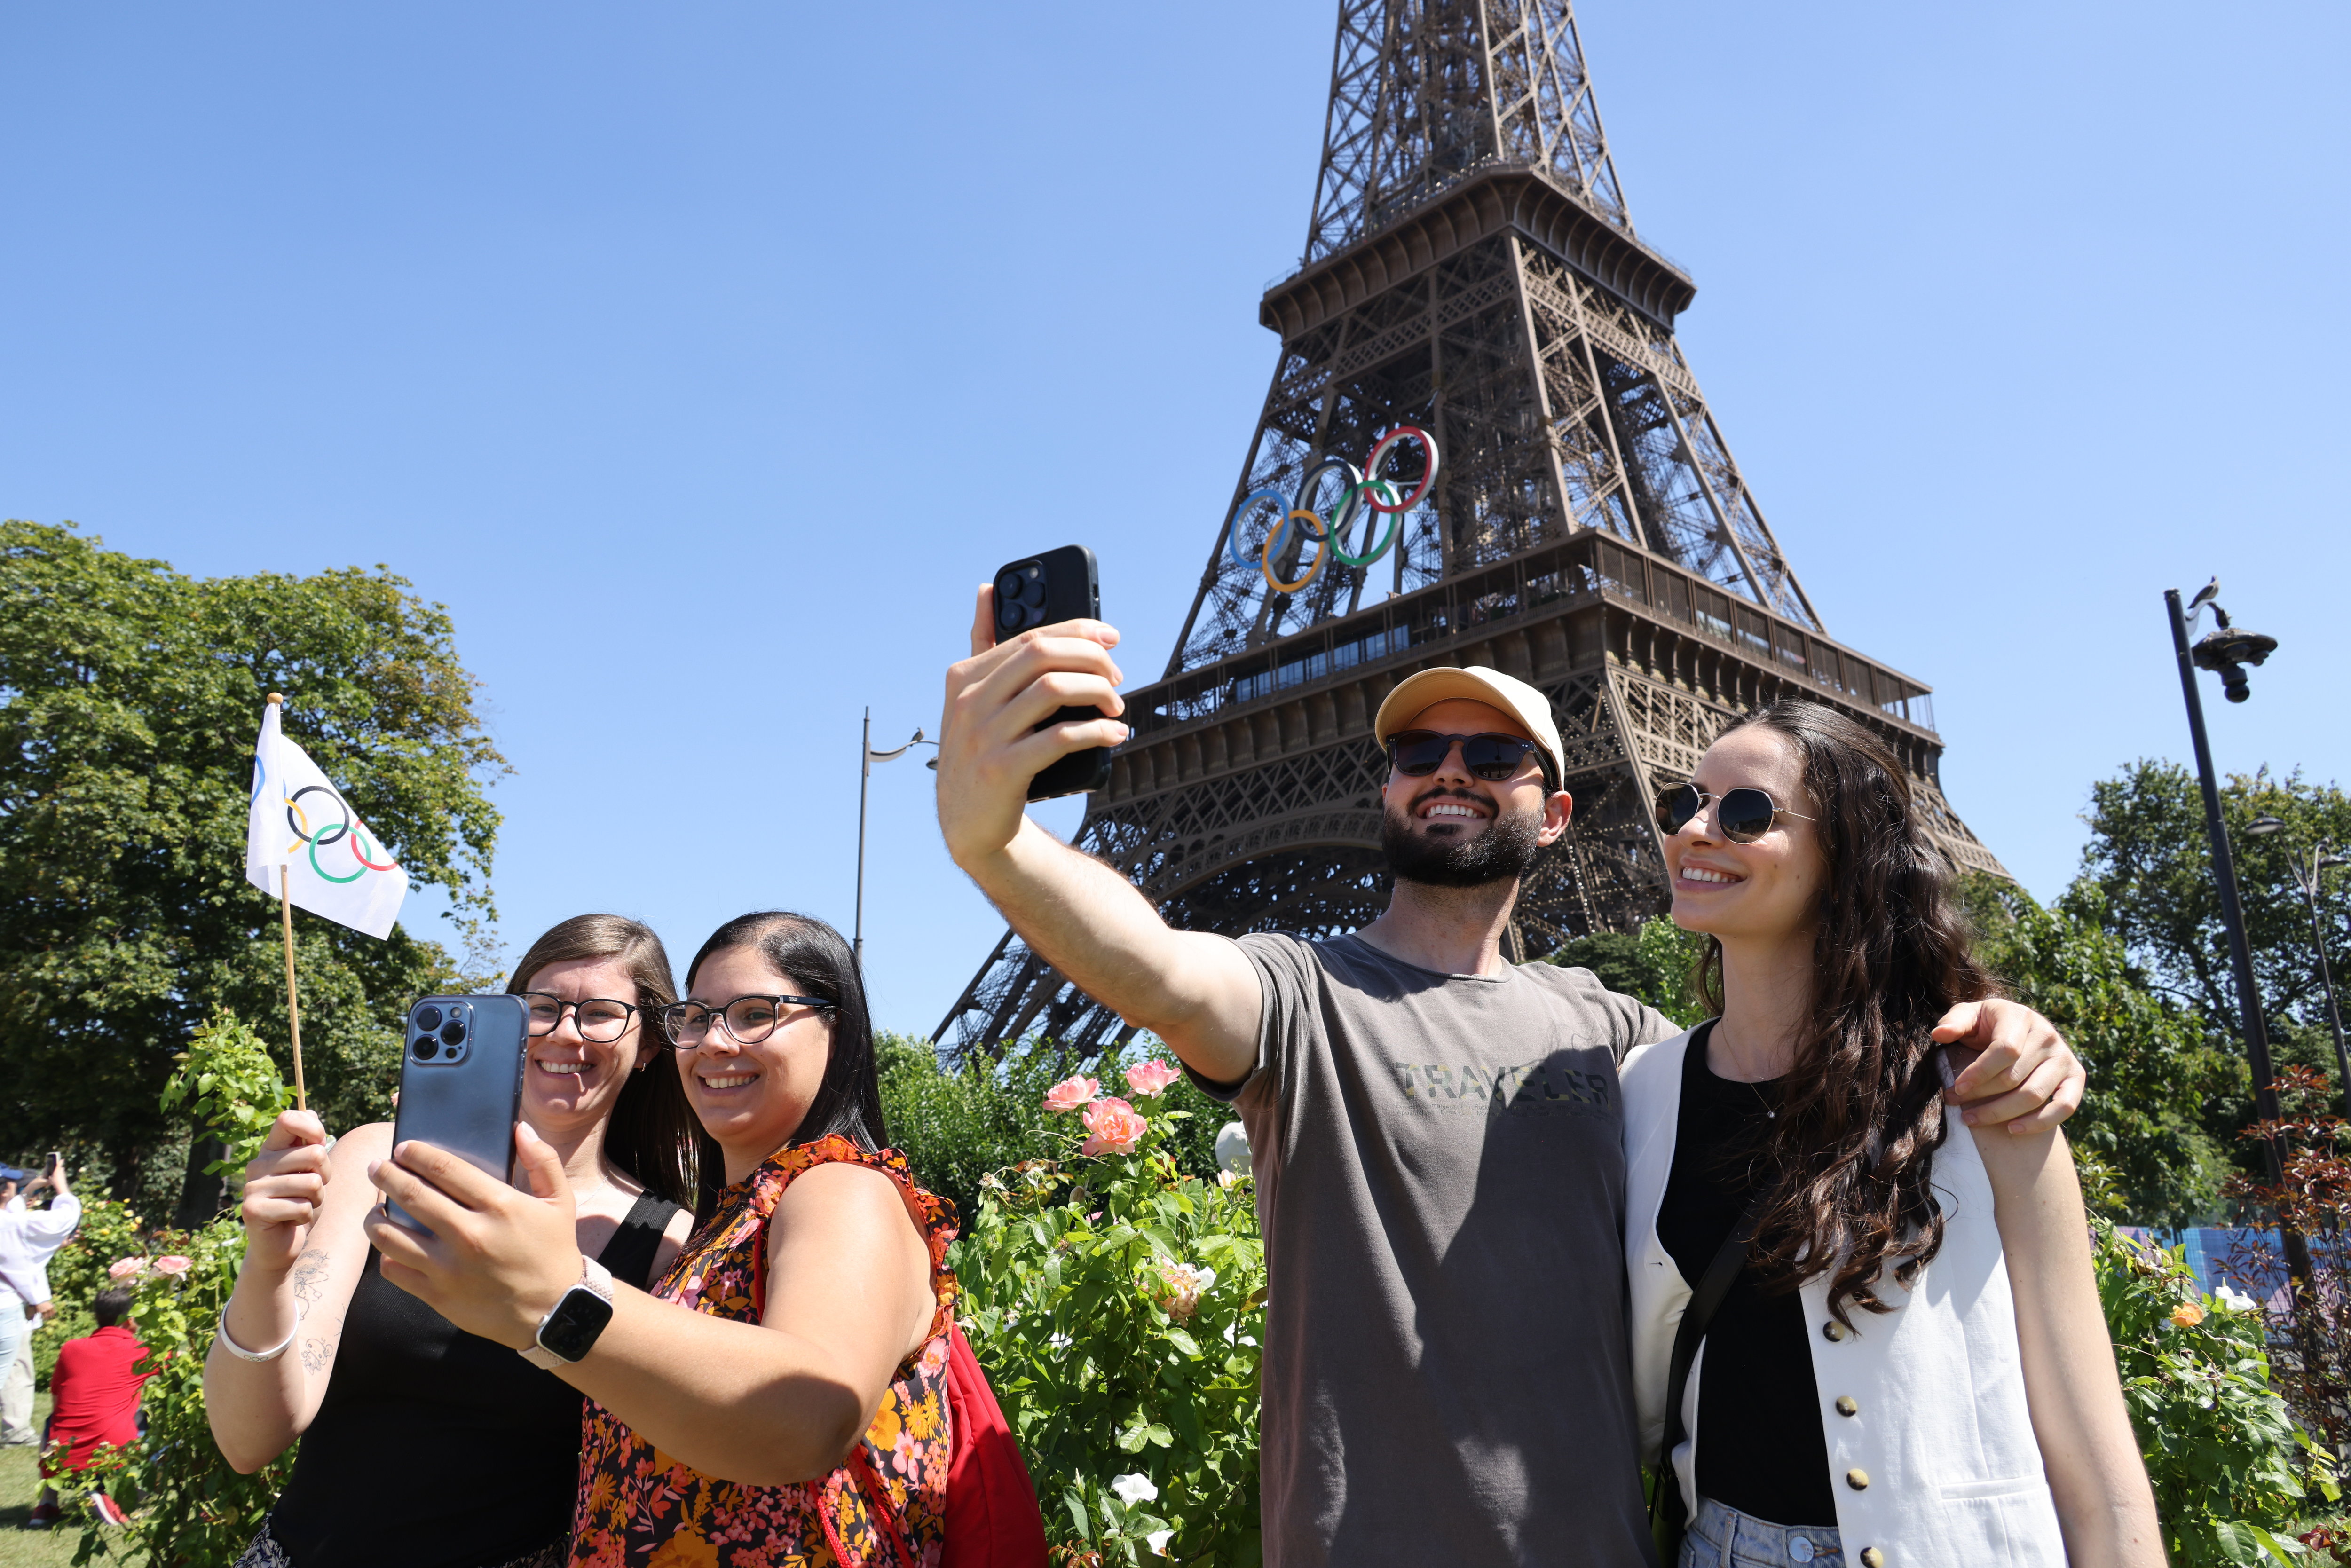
x: 1020, y: 598
x: 437, y: 1033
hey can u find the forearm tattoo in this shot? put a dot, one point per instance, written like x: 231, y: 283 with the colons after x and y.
x: 309, y: 1282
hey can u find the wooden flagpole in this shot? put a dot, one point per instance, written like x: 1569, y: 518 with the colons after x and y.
x: 293, y: 1005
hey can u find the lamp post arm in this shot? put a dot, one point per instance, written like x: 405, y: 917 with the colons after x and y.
x: 2326, y: 978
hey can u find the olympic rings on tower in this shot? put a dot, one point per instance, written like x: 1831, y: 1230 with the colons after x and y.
x: 1363, y: 488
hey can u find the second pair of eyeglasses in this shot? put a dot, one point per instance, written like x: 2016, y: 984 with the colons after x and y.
x: 601, y: 1021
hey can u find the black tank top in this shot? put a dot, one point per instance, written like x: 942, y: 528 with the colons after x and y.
x: 433, y: 1448
x: 1759, y: 1447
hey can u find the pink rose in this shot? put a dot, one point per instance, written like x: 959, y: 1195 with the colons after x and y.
x: 1116, y: 1127
x: 173, y: 1263
x: 1150, y: 1079
x: 123, y: 1268
x: 1070, y: 1092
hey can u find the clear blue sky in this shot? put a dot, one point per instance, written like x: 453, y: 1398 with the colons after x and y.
x: 702, y: 358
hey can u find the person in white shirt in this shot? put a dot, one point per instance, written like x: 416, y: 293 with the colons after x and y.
x: 29, y: 1237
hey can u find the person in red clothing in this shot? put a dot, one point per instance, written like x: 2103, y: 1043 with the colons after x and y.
x: 95, y: 1399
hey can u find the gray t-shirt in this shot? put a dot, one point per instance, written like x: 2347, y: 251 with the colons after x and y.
x: 1440, y: 1174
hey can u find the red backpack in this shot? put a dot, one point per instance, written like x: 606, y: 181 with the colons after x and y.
x: 993, y: 1520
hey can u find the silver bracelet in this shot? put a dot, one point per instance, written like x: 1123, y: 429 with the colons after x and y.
x: 220, y: 1334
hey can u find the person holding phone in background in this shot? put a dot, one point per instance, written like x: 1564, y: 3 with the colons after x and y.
x: 29, y: 1237
x: 779, y: 1394
x: 315, y: 1344
x: 1909, y: 1365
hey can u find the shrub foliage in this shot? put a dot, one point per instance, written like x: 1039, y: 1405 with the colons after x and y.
x: 1117, y: 1302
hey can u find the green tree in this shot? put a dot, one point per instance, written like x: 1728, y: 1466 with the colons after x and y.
x: 130, y: 696
x: 1654, y: 964
x: 2151, y: 867
x: 2156, y: 1073
x: 2149, y: 858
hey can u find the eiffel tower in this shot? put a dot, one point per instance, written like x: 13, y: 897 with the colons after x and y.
x: 1470, y: 271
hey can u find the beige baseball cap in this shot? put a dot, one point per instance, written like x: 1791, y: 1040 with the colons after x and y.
x: 1415, y: 694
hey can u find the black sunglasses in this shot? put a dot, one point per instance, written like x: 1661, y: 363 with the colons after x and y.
x: 1741, y: 815
x: 1417, y: 753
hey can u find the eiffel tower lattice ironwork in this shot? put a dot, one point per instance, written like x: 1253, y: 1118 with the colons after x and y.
x: 1471, y: 268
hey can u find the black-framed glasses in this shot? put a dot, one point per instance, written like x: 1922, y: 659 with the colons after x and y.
x: 1742, y: 815
x: 748, y: 1020
x: 600, y: 1020
x: 1417, y: 753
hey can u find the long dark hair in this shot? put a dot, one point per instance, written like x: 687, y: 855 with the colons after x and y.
x: 1861, y: 1112
x: 818, y: 963
x: 654, y: 1135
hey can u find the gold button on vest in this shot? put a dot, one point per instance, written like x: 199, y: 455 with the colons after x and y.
x: 1846, y: 1405
x: 1858, y: 1479
x: 1832, y: 1330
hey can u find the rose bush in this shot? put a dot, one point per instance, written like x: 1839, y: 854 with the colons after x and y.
x: 2233, y: 1473
x: 1116, y: 1302
x: 192, y: 1510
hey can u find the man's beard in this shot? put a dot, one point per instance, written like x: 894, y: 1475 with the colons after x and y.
x: 1501, y: 853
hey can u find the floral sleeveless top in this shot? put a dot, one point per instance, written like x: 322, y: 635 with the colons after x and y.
x: 639, y: 1508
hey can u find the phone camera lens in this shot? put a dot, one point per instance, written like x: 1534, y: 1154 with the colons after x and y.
x: 1034, y: 594
x: 427, y: 1047
x: 1008, y: 586
x: 428, y: 1019
x: 452, y: 1031
x: 1008, y: 614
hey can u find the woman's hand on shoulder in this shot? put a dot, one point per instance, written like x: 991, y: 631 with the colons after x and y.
x: 496, y: 1260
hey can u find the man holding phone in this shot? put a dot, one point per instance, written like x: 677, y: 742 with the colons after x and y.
x: 1436, y: 1133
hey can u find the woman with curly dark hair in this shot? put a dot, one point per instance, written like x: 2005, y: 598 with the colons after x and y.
x: 1862, y: 1333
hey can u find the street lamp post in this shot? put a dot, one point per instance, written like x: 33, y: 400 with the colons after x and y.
x: 867, y: 757
x: 2227, y: 650
x: 2320, y: 861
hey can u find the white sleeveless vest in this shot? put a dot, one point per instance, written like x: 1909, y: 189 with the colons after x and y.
x: 1934, y: 1466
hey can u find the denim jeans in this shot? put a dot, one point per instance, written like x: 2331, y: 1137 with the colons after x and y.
x: 1721, y: 1536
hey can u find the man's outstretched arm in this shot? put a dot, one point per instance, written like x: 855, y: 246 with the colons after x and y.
x: 1197, y: 992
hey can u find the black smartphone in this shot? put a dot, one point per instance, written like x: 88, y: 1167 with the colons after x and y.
x: 1058, y: 585
x: 461, y: 1083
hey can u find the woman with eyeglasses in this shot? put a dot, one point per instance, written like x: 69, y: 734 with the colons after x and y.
x: 779, y: 1395
x: 1881, y: 1321
x: 421, y: 1444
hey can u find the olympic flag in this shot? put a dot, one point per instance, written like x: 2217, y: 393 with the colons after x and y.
x: 332, y: 865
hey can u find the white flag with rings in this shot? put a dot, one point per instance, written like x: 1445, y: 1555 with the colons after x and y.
x: 299, y: 823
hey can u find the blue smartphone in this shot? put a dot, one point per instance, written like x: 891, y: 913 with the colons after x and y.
x: 461, y: 1083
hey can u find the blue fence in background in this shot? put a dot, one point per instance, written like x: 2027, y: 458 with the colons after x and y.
x: 2208, y: 1249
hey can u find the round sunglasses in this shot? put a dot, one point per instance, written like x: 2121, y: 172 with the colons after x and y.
x: 1741, y: 815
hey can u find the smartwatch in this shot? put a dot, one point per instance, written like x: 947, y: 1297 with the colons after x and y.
x: 568, y: 1332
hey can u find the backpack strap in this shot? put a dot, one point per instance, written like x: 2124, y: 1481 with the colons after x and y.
x: 1668, y: 1513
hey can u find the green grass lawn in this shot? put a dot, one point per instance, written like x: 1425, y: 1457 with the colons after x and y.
x: 20, y: 1484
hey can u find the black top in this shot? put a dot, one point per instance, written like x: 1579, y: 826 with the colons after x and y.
x: 1760, y: 1449
x: 433, y: 1448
